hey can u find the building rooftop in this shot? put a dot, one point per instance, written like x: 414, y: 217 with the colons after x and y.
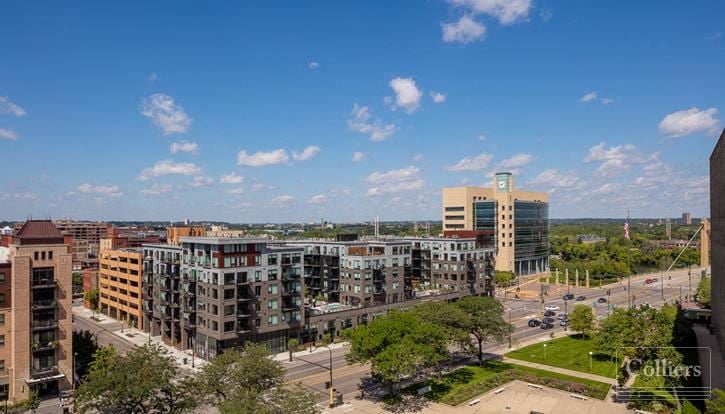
x: 39, y: 232
x: 223, y: 240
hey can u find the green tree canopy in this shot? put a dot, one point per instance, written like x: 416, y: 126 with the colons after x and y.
x: 581, y: 319
x: 84, y: 347
x: 484, y: 321
x: 397, y: 345
x: 142, y: 381
x: 704, y: 293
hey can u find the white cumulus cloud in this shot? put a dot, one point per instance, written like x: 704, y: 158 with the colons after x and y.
x: 394, y: 181
x: 688, y: 121
x: 361, y: 121
x: 465, y: 30
x: 438, y: 97
x: 476, y: 163
x: 183, y: 146
x: 588, y: 97
x: 613, y: 159
x: 313, y: 65
x: 506, y: 11
x: 552, y: 178
x: 358, y: 156
x: 262, y: 159
x: 317, y: 199
x: 8, y: 134
x: 168, y: 167
x: 157, y: 189
x: 8, y: 107
x: 407, y: 94
x: 285, y: 198
x: 306, y: 154
x: 231, y: 178
x: 166, y: 114
x: 201, y: 181
x: 100, y: 190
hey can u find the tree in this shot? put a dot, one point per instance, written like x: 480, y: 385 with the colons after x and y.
x: 92, y: 298
x: 704, y: 292
x: 292, y: 345
x: 84, y: 346
x: 250, y: 382
x: 397, y: 345
x: 582, y: 320
x: 33, y: 401
x: 503, y: 278
x: 717, y: 403
x: 484, y: 320
x: 142, y: 381
x: 447, y: 317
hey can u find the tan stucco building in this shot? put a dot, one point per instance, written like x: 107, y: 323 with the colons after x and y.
x: 175, y: 233
x: 517, y: 221
x: 119, y: 284
x: 36, y: 332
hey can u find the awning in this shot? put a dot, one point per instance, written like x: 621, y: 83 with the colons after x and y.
x: 44, y: 379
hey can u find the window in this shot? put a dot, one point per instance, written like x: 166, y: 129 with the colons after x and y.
x: 2, y: 277
x: 272, y: 259
x: 214, y: 325
x: 42, y: 255
x: 2, y: 340
x: 228, y: 293
x: 503, y: 208
x: 272, y: 320
x: 228, y: 326
x: 35, y: 255
x: 2, y: 319
x: 272, y: 304
x: 272, y: 289
x: 257, y: 275
x: 50, y: 255
x: 2, y: 298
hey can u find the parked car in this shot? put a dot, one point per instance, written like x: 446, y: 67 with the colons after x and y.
x: 551, y: 308
x: 548, y: 320
x: 648, y: 281
x: 533, y: 323
x: 602, y: 300
x: 581, y: 298
x: 654, y: 279
x: 569, y: 296
x: 546, y: 326
x: 565, y: 322
x: 563, y: 316
x: 549, y: 313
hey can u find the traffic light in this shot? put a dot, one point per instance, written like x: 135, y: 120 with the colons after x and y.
x: 327, y: 385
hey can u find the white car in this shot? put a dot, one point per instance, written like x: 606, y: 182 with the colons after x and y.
x: 551, y: 308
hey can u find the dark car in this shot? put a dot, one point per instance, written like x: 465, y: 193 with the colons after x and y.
x: 563, y: 316
x: 602, y: 300
x: 548, y: 320
x: 549, y: 313
x: 547, y: 326
x: 569, y: 296
x: 581, y: 298
x: 564, y: 322
x: 533, y: 323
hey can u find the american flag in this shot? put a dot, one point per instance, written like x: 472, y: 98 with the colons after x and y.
x: 626, y: 230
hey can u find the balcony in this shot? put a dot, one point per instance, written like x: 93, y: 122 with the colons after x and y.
x: 45, y: 346
x: 44, y: 304
x: 286, y: 292
x: 44, y: 371
x: 44, y: 325
x: 44, y: 283
x: 242, y: 314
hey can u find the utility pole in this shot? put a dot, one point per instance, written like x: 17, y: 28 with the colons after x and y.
x: 510, y: 329
x: 566, y: 314
x: 662, y: 285
x: 689, y: 275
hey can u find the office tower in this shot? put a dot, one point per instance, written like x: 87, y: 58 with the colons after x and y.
x: 516, y: 221
x: 717, y: 239
x: 686, y: 218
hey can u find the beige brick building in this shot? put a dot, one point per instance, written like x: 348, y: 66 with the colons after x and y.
x: 518, y: 221
x: 36, y: 334
x: 119, y: 283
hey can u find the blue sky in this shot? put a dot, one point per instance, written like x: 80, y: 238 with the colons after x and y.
x: 284, y: 111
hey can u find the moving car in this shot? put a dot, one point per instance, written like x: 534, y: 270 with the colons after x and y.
x: 549, y: 313
x: 602, y: 300
x: 551, y: 308
x: 565, y: 322
x: 548, y: 320
x: 563, y: 316
x: 546, y: 326
x: 581, y: 298
x: 533, y: 323
x: 568, y: 296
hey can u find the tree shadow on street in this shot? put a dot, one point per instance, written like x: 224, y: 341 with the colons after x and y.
x: 404, y: 403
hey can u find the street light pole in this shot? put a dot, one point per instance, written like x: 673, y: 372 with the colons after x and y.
x: 544, y: 352
x: 590, y: 361
x: 73, y: 374
x: 689, y: 275
x: 331, y: 397
x: 566, y: 314
x: 510, y: 329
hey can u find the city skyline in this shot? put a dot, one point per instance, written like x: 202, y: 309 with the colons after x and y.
x: 275, y: 120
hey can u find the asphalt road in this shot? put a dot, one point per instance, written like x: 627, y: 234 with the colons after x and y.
x: 102, y: 332
x: 348, y: 379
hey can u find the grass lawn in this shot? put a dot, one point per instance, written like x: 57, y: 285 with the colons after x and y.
x: 570, y: 352
x: 465, y: 383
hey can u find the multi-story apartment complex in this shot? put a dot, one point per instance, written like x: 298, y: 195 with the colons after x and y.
x: 717, y: 239
x: 517, y: 222
x: 35, y: 313
x: 213, y: 293
x: 120, y: 285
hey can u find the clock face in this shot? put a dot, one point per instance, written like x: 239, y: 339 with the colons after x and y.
x: 501, y: 184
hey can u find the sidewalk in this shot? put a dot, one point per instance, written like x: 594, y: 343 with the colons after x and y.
x: 610, y: 381
x: 284, y: 356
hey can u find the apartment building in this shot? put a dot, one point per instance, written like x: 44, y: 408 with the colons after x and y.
x: 35, y: 313
x: 717, y: 239
x: 120, y: 287
x: 517, y: 221
x: 175, y: 233
x: 169, y: 303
